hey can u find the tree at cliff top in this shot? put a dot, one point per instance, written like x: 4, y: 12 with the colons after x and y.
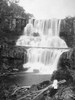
x: 66, y: 67
x: 8, y: 9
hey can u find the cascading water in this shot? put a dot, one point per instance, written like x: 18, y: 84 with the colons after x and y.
x: 46, y: 48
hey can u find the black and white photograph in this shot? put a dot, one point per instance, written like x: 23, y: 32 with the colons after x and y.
x: 37, y: 49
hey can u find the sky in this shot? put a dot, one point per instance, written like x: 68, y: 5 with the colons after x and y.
x: 46, y: 9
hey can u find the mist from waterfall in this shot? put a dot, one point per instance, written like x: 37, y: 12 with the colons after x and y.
x: 46, y: 47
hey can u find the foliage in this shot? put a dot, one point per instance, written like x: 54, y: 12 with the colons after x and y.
x: 10, y: 10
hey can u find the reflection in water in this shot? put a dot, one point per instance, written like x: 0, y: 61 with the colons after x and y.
x: 44, y: 60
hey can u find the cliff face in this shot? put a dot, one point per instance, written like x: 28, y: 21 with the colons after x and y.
x: 67, y: 31
x: 12, y: 58
x: 13, y: 19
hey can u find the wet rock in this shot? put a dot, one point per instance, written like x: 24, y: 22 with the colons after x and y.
x: 43, y: 85
x: 35, y: 34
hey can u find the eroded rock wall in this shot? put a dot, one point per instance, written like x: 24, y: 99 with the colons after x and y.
x: 12, y: 58
x: 67, y: 31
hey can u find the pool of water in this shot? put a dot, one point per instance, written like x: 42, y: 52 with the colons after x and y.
x: 29, y: 79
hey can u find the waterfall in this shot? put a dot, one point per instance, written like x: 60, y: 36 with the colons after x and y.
x: 46, y: 48
x: 43, y: 27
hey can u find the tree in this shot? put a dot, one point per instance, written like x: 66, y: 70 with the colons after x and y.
x: 9, y: 10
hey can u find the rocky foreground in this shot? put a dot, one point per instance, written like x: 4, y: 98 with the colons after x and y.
x: 41, y: 91
x: 44, y: 90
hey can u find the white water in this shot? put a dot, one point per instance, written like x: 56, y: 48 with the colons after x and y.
x: 44, y: 60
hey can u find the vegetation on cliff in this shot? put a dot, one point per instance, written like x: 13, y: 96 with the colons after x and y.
x: 13, y: 19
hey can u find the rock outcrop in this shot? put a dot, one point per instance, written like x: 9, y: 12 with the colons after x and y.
x: 67, y: 31
x: 12, y: 58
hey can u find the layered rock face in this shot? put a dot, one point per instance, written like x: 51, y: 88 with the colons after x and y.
x: 12, y: 58
x: 67, y: 31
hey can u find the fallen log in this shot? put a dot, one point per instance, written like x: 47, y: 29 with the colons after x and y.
x: 35, y: 95
x: 19, y: 89
x: 48, y: 87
